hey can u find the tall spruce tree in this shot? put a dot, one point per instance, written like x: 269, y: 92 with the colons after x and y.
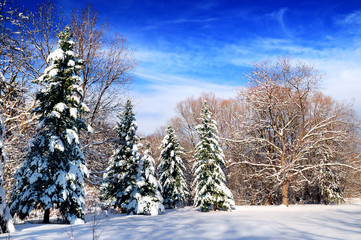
x: 6, y: 222
x: 146, y: 198
x: 210, y: 180
x: 53, y: 172
x: 171, y: 171
x: 120, y: 178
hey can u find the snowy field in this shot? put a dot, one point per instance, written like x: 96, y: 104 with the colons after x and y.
x: 245, y: 222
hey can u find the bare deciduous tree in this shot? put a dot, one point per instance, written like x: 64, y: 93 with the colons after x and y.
x: 14, y: 81
x: 188, y: 117
x: 108, y: 63
x: 287, y: 132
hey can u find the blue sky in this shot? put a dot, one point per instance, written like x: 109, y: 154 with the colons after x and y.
x: 184, y: 48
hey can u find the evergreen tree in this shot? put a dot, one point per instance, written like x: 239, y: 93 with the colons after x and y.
x: 171, y: 171
x: 329, y: 186
x: 146, y: 197
x: 6, y: 222
x: 120, y: 178
x: 210, y: 180
x: 53, y: 172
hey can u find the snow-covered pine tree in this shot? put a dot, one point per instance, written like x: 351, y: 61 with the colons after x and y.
x: 171, y: 171
x: 146, y: 197
x: 120, y: 178
x: 329, y: 186
x: 210, y: 180
x: 53, y: 172
x: 6, y: 222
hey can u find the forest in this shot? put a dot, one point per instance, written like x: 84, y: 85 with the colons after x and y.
x: 280, y: 141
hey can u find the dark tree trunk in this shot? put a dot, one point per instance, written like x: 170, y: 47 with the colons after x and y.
x: 46, y: 216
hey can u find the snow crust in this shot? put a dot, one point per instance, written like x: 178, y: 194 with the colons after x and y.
x: 72, y: 135
x: 55, y: 114
x: 245, y: 222
x: 90, y: 129
x: 58, y: 54
x: 85, y: 107
x: 76, y: 221
x: 56, y: 143
x: 60, y: 107
x: 53, y: 72
x: 71, y: 63
x: 70, y: 53
x: 73, y: 112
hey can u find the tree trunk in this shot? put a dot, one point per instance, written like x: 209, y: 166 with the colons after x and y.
x: 285, y: 193
x: 46, y: 216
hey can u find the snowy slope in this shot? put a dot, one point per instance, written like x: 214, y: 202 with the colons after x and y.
x: 246, y: 222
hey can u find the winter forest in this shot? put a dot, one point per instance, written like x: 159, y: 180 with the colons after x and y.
x: 69, y: 143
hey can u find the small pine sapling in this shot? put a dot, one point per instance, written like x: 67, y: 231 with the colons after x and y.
x: 146, y: 197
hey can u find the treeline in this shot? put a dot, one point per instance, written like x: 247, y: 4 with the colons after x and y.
x: 50, y: 171
x: 26, y: 40
x: 284, y: 140
x: 53, y: 173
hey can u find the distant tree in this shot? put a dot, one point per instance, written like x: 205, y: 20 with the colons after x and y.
x: 146, y: 197
x: 108, y: 63
x: 171, y: 171
x: 291, y: 133
x: 210, y: 180
x: 154, y: 139
x: 107, y: 72
x: 120, y: 178
x: 6, y: 222
x: 53, y: 172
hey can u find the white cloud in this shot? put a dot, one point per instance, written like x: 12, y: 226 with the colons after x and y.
x: 157, y: 105
x: 165, y: 82
x: 342, y: 80
x: 342, y: 66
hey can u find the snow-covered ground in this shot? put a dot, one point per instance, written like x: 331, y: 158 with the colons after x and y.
x: 245, y: 222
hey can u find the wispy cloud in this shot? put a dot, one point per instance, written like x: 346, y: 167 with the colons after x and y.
x: 341, y: 65
x: 182, y: 20
x: 172, y: 70
x: 279, y: 16
x: 351, y: 18
x: 157, y: 104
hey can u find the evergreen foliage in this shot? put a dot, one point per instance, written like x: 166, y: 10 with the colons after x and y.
x: 329, y: 186
x: 53, y: 172
x: 210, y: 180
x: 171, y: 171
x: 6, y: 222
x: 120, y: 178
x: 146, y: 197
